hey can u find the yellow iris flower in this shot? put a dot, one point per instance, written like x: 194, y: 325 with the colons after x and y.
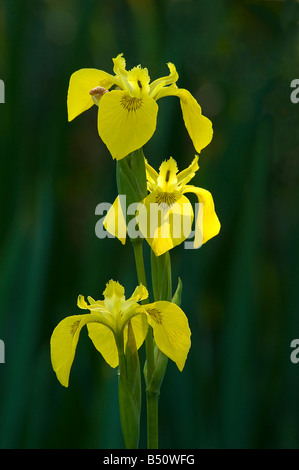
x: 127, y: 115
x: 109, y: 318
x: 166, y: 215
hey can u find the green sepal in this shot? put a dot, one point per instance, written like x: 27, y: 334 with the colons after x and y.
x: 133, y: 367
x: 177, y: 297
x: 131, y: 179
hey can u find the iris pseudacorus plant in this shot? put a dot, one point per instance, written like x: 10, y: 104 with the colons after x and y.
x: 107, y: 325
x: 127, y: 115
x: 165, y: 215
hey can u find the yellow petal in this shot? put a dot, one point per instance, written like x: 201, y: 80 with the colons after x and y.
x: 114, y: 222
x: 81, y: 302
x: 167, y: 179
x: 140, y: 326
x: 158, y: 84
x: 164, y: 223
x: 119, y: 65
x: 63, y: 346
x: 138, y: 80
x: 104, y: 341
x: 186, y: 175
x: 171, y: 330
x: 207, y: 224
x: 198, y: 126
x: 81, y: 82
x: 126, y: 123
x: 151, y: 176
x: 114, y: 296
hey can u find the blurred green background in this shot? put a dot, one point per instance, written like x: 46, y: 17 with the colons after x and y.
x: 239, y: 388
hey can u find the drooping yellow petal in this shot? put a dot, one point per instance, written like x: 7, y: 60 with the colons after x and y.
x: 81, y: 83
x: 114, y: 222
x: 165, y: 220
x: 104, y: 341
x: 207, y: 224
x: 171, y: 330
x: 198, y: 126
x: 126, y: 123
x: 63, y: 345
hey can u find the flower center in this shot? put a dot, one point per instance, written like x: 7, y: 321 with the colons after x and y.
x: 168, y: 198
x: 131, y: 104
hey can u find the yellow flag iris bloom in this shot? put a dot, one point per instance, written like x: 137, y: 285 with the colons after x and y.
x: 109, y: 318
x: 127, y: 114
x: 166, y: 215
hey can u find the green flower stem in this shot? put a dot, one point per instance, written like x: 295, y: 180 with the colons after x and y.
x: 151, y: 396
x: 152, y: 419
x: 138, y: 253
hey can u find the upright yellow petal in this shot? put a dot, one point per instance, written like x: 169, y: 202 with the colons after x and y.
x: 171, y: 330
x: 186, y: 175
x: 151, y: 176
x: 165, y: 220
x: 104, y: 341
x: 126, y: 123
x: 81, y: 302
x: 207, y: 224
x: 158, y: 84
x: 114, y: 296
x: 63, y: 344
x: 81, y: 83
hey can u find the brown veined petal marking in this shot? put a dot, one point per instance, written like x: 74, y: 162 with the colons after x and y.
x: 131, y: 104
